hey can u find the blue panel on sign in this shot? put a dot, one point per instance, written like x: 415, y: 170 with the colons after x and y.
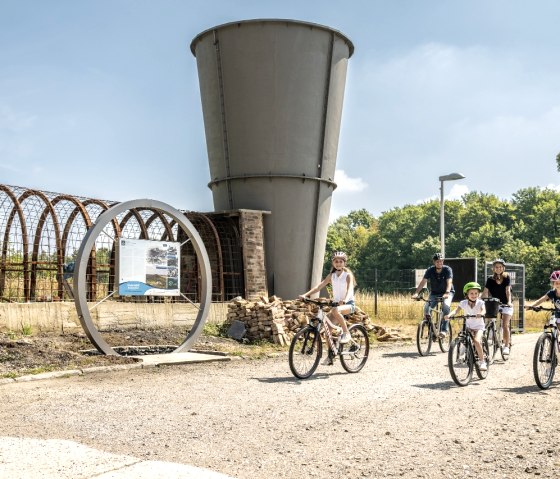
x: 133, y: 288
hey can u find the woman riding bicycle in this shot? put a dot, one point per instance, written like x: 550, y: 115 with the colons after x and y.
x: 473, y: 306
x: 343, y: 282
x: 499, y: 286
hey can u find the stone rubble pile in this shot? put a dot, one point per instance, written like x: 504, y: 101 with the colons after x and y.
x: 277, y: 320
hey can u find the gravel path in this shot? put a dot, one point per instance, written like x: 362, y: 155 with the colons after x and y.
x: 402, y: 416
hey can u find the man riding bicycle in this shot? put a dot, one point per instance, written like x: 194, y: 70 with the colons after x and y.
x: 440, y: 277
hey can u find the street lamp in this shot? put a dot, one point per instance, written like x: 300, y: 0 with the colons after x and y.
x: 450, y: 177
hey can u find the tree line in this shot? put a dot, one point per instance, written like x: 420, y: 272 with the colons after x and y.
x: 524, y: 230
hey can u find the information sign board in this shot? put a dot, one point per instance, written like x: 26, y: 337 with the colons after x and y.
x: 148, y: 268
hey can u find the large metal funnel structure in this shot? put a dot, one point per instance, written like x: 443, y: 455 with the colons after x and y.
x: 272, y: 94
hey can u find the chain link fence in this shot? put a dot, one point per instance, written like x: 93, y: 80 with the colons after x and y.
x: 385, y: 294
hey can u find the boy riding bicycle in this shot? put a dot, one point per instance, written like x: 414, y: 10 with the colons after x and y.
x: 473, y: 306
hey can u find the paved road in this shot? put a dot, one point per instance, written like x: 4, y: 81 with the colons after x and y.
x: 402, y: 416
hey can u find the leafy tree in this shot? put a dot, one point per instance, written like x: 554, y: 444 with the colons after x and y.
x: 349, y: 234
x: 524, y: 230
x: 539, y: 209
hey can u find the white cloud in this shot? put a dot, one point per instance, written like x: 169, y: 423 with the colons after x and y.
x: 456, y: 192
x: 491, y: 112
x: 345, y: 184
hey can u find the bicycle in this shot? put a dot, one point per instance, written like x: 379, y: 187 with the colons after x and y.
x: 429, y: 330
x: 545, y: 357
x: 462, y: 358
x: 494, y: 329
x: 306, y: 347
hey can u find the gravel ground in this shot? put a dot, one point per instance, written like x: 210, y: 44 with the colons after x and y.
x: 401, y: 416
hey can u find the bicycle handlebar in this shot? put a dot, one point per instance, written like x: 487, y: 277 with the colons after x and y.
x: 466, y: 316
x: 439, y: 299
x: 540, y: 308
x: 321, y: 304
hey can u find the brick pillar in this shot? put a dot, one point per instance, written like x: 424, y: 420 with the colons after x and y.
x: 252, y: 241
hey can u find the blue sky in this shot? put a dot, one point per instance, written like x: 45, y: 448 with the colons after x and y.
x: 100, y: 98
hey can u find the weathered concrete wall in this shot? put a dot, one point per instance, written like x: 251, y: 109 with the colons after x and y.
x: 62, y: 317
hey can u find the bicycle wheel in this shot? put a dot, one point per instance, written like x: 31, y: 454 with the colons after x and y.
x: 305, y: 352
x: 493, y: 343
x: 460, y: 362
x: 424, y: 337
x: 486, y: 354
x: 355, y: 353
x: 445, y: 343
x: 544, y: 361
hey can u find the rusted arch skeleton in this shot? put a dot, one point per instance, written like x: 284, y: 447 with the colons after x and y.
x: 33, y: 217
x: 30, y: 267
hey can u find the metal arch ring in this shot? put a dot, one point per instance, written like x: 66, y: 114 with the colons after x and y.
x: 82, y: 259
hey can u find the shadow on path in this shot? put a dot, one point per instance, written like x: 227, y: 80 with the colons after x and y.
x: 413, y: 355
x: 443, y: 386
x: 294, y: 380
x: 533, y: 389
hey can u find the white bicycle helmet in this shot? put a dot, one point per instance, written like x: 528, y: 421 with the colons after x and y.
x: 341, y: 255
x: 555, y: 276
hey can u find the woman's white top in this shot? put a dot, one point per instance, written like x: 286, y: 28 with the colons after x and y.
x: 473, y: 323
x: 341, y: 290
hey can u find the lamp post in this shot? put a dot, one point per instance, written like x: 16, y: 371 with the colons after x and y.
x: 442, y: 179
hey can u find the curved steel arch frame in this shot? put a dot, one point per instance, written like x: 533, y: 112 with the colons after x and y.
x: 80, y: 290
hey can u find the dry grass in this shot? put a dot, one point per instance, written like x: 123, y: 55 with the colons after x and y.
x: 401, y: 312
x: 395, y: 311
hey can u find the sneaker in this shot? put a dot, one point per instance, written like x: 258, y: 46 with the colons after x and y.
x: 505, y: 350
x: 344, y: 338
x: 483, y: 366
x: 327, y: 361
x: 443, y: 334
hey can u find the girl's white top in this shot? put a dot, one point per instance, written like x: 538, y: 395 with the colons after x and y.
x: 341, y: 290
x: 473, y: 323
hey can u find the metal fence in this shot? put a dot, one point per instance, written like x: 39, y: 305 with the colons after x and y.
x: 41, y: 232
x: 381, y: 289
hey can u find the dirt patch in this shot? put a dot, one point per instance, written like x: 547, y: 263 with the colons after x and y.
x: 38, y: 353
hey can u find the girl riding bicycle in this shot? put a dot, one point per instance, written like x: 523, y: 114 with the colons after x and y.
x: 343, y: 282
x: 473, y: 306
x: 552, y: 295
x: 499, y: 286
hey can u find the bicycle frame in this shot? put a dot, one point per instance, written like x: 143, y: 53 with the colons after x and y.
x: 437, y: 311
x: 467, y: 336
x: 325, y: 327
x: 496, y: 324
x: 457, y: 358
x: 306, y: 347
x: 433, y: 320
